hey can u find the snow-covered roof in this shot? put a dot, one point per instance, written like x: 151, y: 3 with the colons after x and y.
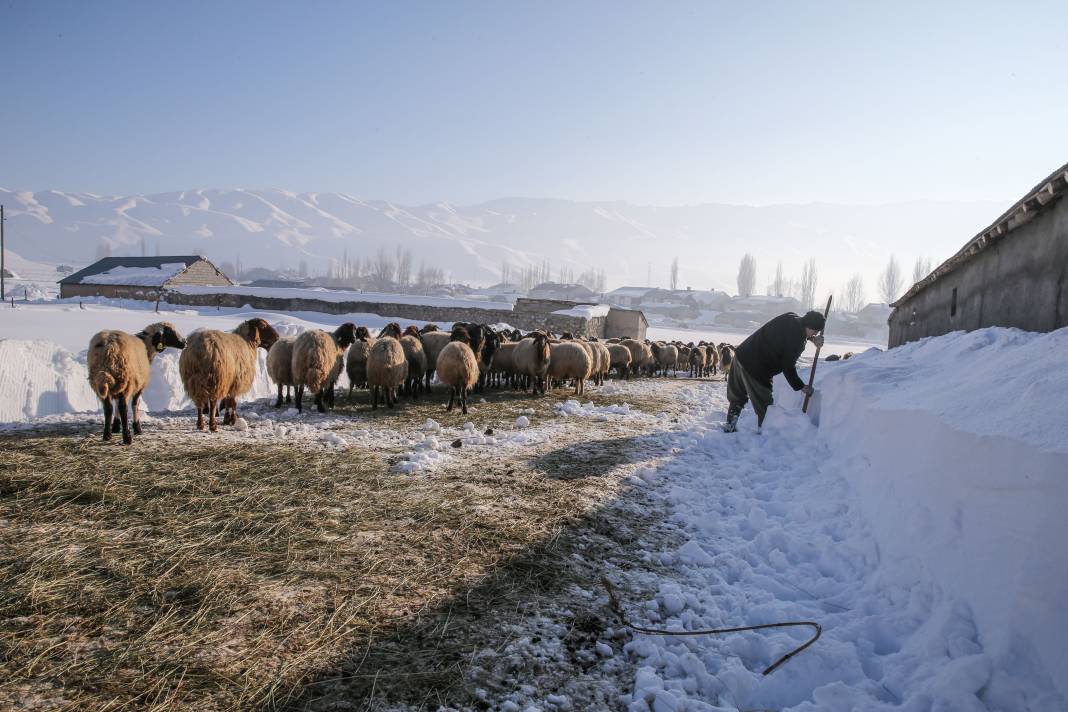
x: 629, y: 291
x: 134, y: 271
x: 586, y: 311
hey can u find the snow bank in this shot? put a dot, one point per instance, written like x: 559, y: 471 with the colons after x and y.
x: 958, y: 448
x: 39, y: 378
x: 137, y: 276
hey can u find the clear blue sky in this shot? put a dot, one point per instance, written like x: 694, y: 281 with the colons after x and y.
x: 657, y: 102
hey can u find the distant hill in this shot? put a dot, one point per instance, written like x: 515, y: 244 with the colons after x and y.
x: 275, y: 228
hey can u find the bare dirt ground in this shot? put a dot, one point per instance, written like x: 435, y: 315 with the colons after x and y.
x: 300, y: 563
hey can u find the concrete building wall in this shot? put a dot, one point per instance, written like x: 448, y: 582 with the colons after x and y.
x: 625, y: 324
x: 1020, y: 280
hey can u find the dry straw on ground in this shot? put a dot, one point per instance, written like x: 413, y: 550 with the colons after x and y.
x: 190, y: 573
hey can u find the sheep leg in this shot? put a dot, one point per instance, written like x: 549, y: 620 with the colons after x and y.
x: 233, y: 411
x: 289, y: 395
x: 116, y: 424
x: 278, y: 403
x: 213, y: 416
x: 330, y: 395
x: 463, y: 399
x: 201, y: 409
x: 136, y: 412
x: 413, y: 388
x: 452, y: 397
x: 127, y: 438
x: 300, y: 399
x: 108, y: 410
x: 319, y: 401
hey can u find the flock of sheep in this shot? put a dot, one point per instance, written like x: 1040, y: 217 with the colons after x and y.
x: 218, y: 367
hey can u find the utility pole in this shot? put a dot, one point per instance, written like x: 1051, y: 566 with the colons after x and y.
x: 3, y: 271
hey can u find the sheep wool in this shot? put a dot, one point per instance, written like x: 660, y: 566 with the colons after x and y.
x: 458, y: 369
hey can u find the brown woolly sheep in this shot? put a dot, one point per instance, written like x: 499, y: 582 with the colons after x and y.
x: 280, y: 367
x: 218, y: 366
x: 698, y: 360
x: 568, y: 359
x: 387, y: 366
x: 356, y: 359
x: 504, y: 369
x: 457, y: 368
x: 620, y: 359
x: 119, y: 369
x: 604, y: 362
x: 531, y: 360
x: 412, y: 343
x: 433, y: 342
x: 318, y: 357
x: 637, y: 353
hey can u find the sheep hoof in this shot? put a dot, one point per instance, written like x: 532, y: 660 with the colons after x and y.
x: 127, y: 439
x: 116, y: 426
x: 137, y: 428
x: 214, y: 428
x: 107, y: 435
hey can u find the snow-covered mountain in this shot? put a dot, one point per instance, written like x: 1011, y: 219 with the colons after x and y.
x: 274, y: 228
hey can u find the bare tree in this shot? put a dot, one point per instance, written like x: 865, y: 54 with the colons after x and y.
x: 922, y: 269
x: 778, y: 285
x: 382, y: 270
x: 746, y: 276
x: 853, y: 299
x: 674, y: 274
x: 504, y: 271
x: 890, y: 281
x: 808, y: 283
x: 404, y: 267
x: 594, y: 280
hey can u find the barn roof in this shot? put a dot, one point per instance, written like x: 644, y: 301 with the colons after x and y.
x: 1048, y: 190
x: 137, y: 270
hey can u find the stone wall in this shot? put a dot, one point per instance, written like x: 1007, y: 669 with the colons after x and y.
x: 202, y: 274
x: 112, y: 291
x: 527, y: 321
x: 1020, y: 280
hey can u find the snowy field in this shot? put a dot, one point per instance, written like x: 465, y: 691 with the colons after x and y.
x: 914, y: 513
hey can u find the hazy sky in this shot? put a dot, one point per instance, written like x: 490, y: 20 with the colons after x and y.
x: 657, y: 102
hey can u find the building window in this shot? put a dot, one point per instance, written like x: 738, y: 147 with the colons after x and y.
x: 953, y: 304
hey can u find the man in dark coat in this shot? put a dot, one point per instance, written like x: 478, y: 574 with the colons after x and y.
x: 772, y: 349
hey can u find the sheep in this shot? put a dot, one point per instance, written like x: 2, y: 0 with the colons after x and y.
x: 119, y: 367
x: 635, y: 348
x: 603, y: 361
x: 490, y: 345
x: 280, y: 366
x: 698, y: 361
x: 532, y: 358
x: 433, y: 342
x: 726, y: 358
x: 504, y: 363
x: 569, y: 359
x: 412, y: 343
x: 712, y: 358
x: 589, y: 352
x: 620, y: 358
x: 218, y: 366
x: 387, y: 366
x: 665, y: 356
x: 684, y: 353
x: 318, y: 357
x: 356, y: 359
x: 457, y: 368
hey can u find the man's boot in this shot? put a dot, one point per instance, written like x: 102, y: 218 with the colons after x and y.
x: 732, y: 418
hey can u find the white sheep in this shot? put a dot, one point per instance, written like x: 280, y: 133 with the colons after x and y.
x: 387, y: 366
x: 458, y: 368
x: 318, y: 357
x: 568, y: 359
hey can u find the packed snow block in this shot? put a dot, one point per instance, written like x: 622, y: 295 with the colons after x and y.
x: 958, y: 448
x: 39, y: 378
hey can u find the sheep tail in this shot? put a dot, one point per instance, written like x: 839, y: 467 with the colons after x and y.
x: 103, y: 383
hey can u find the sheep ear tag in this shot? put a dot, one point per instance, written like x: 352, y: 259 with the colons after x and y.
x: 160, y: 346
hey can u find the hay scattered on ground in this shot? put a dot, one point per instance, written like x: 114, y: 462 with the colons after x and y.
x: 191, y: 573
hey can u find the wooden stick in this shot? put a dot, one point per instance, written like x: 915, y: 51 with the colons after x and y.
x: 812, y: 373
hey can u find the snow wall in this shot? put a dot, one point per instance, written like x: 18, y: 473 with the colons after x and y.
x: 958, y: 448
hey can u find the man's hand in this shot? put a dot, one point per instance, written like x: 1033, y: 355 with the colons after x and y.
x: 808, y: 390
x: 817, y: 340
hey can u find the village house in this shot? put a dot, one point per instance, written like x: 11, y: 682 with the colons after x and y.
x: 1013, y: 273
x: 141, y: 277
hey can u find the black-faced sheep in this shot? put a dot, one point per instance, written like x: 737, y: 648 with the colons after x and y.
x: 387, y: 366
x: 318, y: 357
x: 457, y: 368
x: 356, y: 359
x: 119, y: 369
x: 433, y: 342
x: 217, y: 367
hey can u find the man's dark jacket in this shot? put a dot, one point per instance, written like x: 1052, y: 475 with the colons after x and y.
x: 773, y: 349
